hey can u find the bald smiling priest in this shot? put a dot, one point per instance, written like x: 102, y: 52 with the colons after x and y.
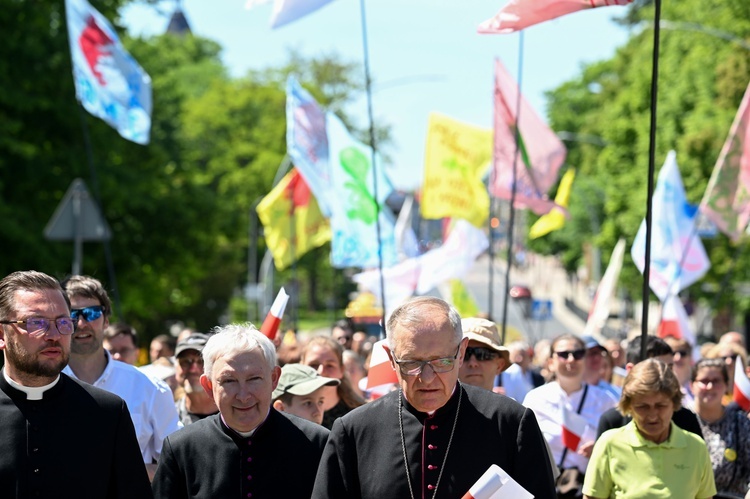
x: 434, y: 437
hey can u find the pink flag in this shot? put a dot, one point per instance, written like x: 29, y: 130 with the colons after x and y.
x: 727, y: 198
x: 381, y: 371
x: 540, y: 152
x: 520, y: 14
x: 741, y: 392
x: 273, y: 320
x: 573, y: 428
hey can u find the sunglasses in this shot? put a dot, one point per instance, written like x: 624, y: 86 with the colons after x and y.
x: 577, y: 354
x: 88, y: 313
x: 481, y: 353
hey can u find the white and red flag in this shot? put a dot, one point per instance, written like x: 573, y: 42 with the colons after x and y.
x: 381, y: 371
x: 741, y: 393
x: 573, y: 429
x: 520, y: 14
x: 674, y: 322
x: 109, y: 82
x: 273, y: 319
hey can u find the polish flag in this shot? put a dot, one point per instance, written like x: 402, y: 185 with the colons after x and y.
x: 272, y: 321
x: 381, y: 371
x: 741, y: 392
x: 573, y: 429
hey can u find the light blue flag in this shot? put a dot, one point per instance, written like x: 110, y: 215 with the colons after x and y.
x: 109, y: 82
x: 354, y: 240
x: 287, y: 11
x: 678, y: 258
x: 307, y: 142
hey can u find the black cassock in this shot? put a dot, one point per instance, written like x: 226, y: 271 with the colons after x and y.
x: 364, y: 455
x: 208, y: 460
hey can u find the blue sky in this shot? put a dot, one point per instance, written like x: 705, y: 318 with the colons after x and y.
x: 425, y: 55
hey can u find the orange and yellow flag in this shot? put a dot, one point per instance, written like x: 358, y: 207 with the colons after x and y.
x: 292, y: 220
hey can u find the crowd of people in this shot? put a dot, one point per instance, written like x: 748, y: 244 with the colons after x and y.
x: 231, y: 413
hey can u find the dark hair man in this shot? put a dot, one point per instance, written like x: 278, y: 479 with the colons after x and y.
x: 150, y: 402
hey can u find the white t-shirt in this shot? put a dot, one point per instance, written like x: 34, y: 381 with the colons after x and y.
x: 149, y: 400
x: 547, y: 402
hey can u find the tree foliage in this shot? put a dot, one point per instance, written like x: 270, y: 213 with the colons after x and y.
x: 702, y: 78
x: 180, y: 207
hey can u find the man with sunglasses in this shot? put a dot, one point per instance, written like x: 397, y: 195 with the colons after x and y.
x: 485, y: 356
x: 58, y: 437
x: 434, y: 437
x: 193, y: 402
x: 150, y: 401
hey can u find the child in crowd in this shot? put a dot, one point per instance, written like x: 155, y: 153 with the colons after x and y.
x: 300, y: 392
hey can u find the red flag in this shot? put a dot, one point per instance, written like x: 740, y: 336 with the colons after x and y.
x: 741, y: 393
x: 520, y: 14
x: 573, y: 428
x: 727, y: 198
x: 539, y: 153
x: 381, y: 371
x: 272, y: 321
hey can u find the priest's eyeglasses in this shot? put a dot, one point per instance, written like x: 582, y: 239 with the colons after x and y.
x: 38, y: 326
x: 415, y: 367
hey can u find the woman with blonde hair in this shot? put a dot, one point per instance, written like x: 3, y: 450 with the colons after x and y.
x: 650, y: 456
x: 326, y: 355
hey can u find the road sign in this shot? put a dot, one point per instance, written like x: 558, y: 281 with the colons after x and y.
x: 77, y: 217
x: 541, y: 310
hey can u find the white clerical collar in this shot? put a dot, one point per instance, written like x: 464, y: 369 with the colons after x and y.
x: 246, y: 434
x: 32, y: 392
x: 430, y: 413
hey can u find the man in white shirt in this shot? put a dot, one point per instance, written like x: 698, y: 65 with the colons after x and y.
x: 150, y: 401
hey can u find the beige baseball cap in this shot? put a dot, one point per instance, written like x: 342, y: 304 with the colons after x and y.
x: 485, y: 331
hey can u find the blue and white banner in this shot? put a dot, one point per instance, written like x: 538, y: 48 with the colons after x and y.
x: 678, y: 258
x: 109, y: 82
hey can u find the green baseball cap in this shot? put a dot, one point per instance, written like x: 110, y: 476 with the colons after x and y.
x: 297, y: 379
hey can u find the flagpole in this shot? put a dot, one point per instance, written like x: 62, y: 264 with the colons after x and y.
x: 368, y: 92
x: 98, y: 199
x: 650, y: 183
x: 512, y: 213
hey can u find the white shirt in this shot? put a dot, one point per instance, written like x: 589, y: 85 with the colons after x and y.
x: 547, y: 402
x: 149, y: 400
x: 517, y: 383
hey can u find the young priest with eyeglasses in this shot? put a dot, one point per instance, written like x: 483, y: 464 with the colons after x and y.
x: 58, y: 437
x: 434, y: 437
x: 150, y: 401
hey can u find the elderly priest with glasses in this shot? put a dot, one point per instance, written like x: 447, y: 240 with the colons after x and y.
x: 58, y: 437
x: 434, y: 437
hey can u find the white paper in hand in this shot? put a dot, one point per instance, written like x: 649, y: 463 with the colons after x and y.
x: 497, y: 484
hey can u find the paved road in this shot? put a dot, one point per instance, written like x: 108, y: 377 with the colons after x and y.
x: 545, y: 282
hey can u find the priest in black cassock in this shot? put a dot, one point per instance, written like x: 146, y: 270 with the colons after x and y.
x: 434, y: 437
x: 249, y: 449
